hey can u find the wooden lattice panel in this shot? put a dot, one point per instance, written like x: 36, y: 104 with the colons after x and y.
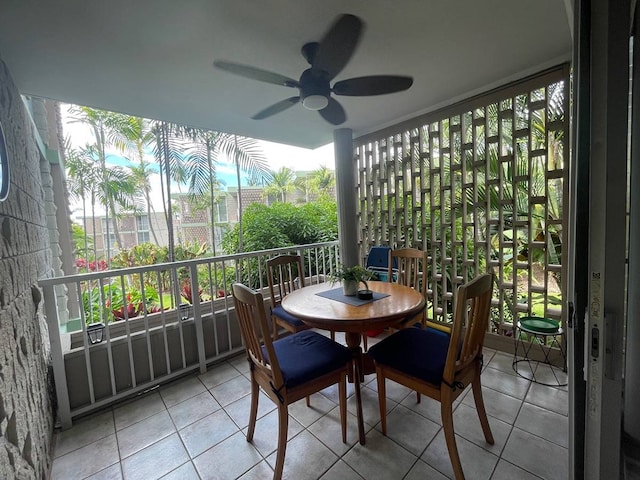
x: 480, y: 186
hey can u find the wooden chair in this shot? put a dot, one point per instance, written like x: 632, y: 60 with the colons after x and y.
x: 410, y: 270
x: 406, y: 266
x: 287, y: 369
x: 284, y: 274
x: 441, y: 366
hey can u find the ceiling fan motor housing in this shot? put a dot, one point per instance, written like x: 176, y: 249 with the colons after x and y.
x: 314, y: 89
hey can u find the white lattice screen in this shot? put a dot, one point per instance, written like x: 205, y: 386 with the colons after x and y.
x: 481, y: 185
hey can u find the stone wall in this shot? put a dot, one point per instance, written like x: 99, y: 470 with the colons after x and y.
x: 26, y: 418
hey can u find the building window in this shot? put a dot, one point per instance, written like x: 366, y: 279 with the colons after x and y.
x: 112, y: 240
x: 142, y: 223
x: 221, y: 212
x: 104, y: 224
x: 142, y: 226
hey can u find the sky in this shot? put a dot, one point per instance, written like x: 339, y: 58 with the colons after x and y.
x: 278, y: 156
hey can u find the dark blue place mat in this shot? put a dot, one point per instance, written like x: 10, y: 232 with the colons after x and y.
x: 337, y: 295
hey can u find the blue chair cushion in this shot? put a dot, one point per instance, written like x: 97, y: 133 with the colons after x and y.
x: 307, y: 355
x: 287, y: 317
x: 420, y: 353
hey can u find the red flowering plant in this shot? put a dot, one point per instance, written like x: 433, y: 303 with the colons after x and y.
x: 135, y: 305
x: 117, y: 307
x: 83, y: 266
x: 186, y: 293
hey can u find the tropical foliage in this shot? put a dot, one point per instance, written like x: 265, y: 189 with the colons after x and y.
x: 173, y: 154
x: 322, y: 180
x: 182, y: 158
x: 283, y: 182
x: 280, y: 225
x: 283, y: 224
x: 82, y: 244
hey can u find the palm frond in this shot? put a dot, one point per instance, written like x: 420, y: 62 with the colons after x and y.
x: 246, y: 153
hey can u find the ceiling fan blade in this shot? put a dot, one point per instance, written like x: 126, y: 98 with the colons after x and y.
x: 372, y: 85
x: 276, y: 108
x: 255, y: 73
x: 333, y: 113
x: 338, y: 44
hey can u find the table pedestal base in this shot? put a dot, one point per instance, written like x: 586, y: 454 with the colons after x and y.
x: 353, y: 342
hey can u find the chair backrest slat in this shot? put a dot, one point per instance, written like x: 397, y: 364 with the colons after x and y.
x: 284, y: 274
x: 255, y: 330
x: 470, y: 323
x: 409, y: 267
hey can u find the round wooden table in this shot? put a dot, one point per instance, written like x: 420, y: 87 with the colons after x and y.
x: 335, y: 315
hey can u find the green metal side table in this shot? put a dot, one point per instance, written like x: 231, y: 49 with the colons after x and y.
x: 548, y: 335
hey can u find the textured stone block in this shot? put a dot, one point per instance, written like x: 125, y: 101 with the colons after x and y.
x: 26, y: 412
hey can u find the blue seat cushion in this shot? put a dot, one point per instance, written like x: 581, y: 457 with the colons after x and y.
x: 420, y: 353
x: 287, y: 317
x: 307, y: 355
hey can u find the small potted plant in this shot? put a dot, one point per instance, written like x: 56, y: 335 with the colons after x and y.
x: 351, y: 277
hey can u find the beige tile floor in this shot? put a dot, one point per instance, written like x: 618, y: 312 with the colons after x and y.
x: 195, y: 428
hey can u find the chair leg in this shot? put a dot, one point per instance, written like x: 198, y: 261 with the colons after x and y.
x: 253, y: 412
x: 418, y: 397
x: 333, y: 335
x: 382, y: 399
x: 365, y: 345
x: 283, y: 426
x: 342, y: 396
x: 308, y: 401
x: 446, y: 409
x: 482, y: 413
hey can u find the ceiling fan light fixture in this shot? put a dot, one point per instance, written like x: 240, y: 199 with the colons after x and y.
x: 315, y: 102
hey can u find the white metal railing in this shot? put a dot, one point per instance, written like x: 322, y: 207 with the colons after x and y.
x: 148, y: 325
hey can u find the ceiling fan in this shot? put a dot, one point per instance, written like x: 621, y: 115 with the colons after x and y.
x: 327, y: 58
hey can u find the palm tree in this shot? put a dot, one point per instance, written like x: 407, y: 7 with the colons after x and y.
x: 141, y: 175
x: 104, y: 126
x: 96, y: 120
x: 322, y: 180
x: 283, y: 182
x: 82, y: 181
x: 169, y: 150
x: 304, y: 184
x: 201, y: 179
x: 120, y: 194
x: 131, y: 135
x: 244, y: 152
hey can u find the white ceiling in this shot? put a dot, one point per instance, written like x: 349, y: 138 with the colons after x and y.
x: 153, y: 58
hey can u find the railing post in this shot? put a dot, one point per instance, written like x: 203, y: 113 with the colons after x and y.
x: 57, y: 358
x: 197, y: 316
